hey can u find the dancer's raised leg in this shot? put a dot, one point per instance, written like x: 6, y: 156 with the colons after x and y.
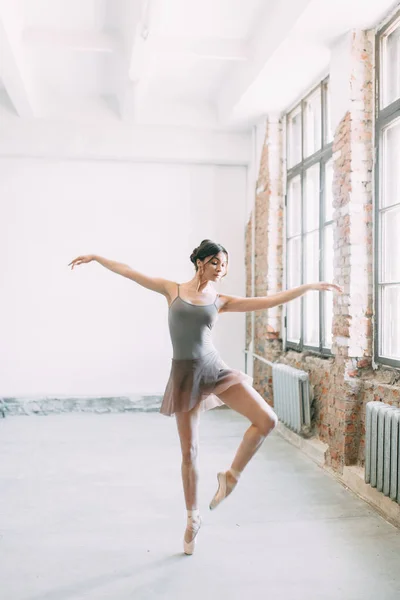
x: 188, y: 430
x: 245, y: 400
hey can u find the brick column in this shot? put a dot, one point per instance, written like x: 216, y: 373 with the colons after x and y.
x: 352, y: 191
x: 275, y: 225
x: 268, y: 215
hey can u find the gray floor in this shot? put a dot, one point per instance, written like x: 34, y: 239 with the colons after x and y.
x: 91, y: 507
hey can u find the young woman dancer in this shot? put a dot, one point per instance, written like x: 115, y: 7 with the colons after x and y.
x: 199, y: 379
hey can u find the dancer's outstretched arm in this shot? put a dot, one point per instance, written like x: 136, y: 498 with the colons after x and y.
x: 156, y: 284
x: 242, y: 304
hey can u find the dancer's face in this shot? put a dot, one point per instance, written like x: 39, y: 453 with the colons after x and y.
x: 214, y: 267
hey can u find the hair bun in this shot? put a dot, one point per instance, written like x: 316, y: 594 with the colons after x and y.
x: 205, y: 242
x: 193, y: 255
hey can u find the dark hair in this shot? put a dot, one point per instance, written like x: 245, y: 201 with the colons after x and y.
x: 206, y: 248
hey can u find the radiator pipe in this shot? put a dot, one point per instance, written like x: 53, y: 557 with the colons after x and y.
x: 261, y: 358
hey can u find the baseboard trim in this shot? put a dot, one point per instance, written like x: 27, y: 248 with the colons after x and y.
x: 313, y: 447
x: 352, y: 477
x: 55, y: 405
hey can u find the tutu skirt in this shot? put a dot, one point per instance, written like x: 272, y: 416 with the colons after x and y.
x: 199, y: 380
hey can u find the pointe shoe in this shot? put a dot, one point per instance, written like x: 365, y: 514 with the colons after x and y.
x: 223, y: 490
x: 188, y: 547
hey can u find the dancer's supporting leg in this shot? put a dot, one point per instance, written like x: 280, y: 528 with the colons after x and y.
x: 245, y: 400
x: 188, y: 430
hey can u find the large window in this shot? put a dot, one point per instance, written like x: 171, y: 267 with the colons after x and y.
x: 309, y: 214
x: 387, y: 179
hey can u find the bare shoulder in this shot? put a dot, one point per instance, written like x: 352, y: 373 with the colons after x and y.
x: 170, y: 289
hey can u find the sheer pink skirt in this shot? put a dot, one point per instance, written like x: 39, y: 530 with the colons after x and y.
x: 200, y: 380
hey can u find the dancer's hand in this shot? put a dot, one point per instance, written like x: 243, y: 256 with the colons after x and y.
x: 81, y: 260
x: 324, y: 286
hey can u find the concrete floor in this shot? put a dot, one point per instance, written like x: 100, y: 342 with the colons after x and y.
x: 91, y: 507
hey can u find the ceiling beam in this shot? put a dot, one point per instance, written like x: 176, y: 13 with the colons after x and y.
x: 107, y: 43
x: 202, y: 48
x: 148, y: 47
x: 77, y: 41
x: 271, y: 30
x: 13, y: 68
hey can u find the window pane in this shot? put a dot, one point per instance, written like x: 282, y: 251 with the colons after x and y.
x: 312, y: 123
x: 311, y: 299
x: 391, y: 67
x: 328, y: 114
x: 294, y: 279
x: 294, y: 262
x: 311, y: 320
x: 390, y: 322
x: 294, y: 207
x: 390, y: 245
x: 390, y: 168
x: 328, y: 276
x: 311, y: 198
x: 329, y: 191
x: 294, y: 137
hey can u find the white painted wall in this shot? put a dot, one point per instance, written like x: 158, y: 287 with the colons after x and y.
x: 102, y: 138
x: 90, y: 331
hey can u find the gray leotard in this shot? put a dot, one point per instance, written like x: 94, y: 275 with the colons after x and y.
x: 198, y: 375
x: 190, y: 327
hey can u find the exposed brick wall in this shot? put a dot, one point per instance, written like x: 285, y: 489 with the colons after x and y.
x: 268, y: 252
x: 275, y: 224
x: 262, y: 372
x: 343, y: 383
x: 352, y: 193
x: 261, y: 245
x: 352, y: 203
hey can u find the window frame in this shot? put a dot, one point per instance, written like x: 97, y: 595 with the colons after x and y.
x: 383, y: 118
x: 321, y: 157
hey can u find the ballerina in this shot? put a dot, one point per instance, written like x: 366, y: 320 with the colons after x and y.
x: 199, y: 379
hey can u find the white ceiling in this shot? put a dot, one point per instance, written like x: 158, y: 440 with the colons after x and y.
x: 207, y: 64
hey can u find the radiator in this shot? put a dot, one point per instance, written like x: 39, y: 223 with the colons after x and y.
x: 382, y: 449
x: 292, y: 400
